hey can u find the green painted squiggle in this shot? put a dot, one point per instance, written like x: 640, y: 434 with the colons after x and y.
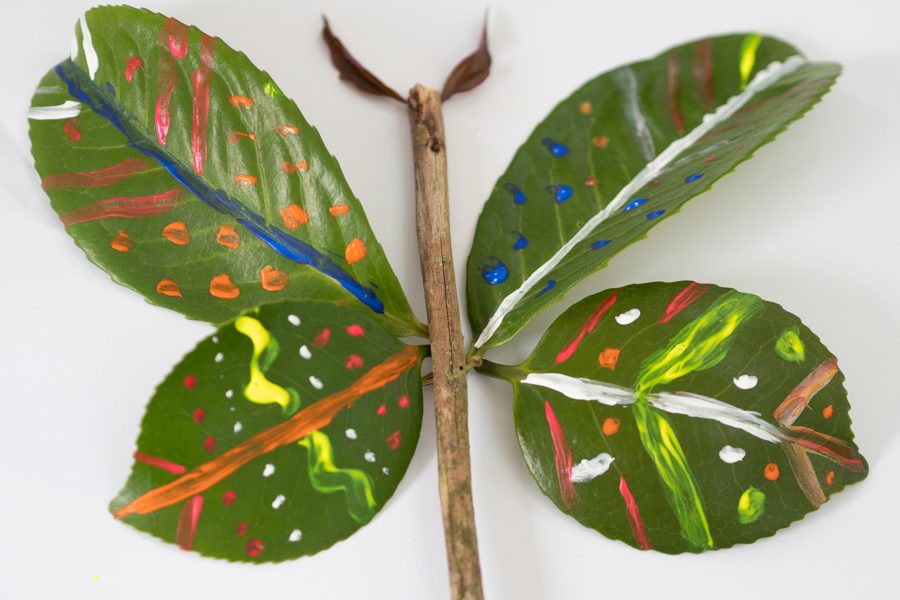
x: 265, y: 350
x: 326, y: 478
x: 751, y: 505
x: 789, y: 346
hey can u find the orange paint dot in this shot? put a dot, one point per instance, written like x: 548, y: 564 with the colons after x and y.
x: 287, y: 129
x: 244, y: 179
x: 590, y: 181
x: 293, y: 216
x: 240, y: 101
x: 236, y: 136
x: 339, y: 209
x: 585, y: 108
x: 177, y: 233
x: 771, y: 472
x: 228, y: 237
x: 829, y: 477
x: 601, y: 141
x: 828, y: 411
x: 608, y: 358
x: 273, y: 279
x: 167, y: 287
x: 122, y: 242
x: 610, y: 426
x: 222, y: 287
x: 356, y: 251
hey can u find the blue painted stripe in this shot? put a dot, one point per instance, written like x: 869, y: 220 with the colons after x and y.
x: 104, y: 104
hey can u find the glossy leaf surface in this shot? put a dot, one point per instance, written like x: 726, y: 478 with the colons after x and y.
x: 682, y: 417
x: 278, y: 436
x: 184, y: 171
x: 620, y: 155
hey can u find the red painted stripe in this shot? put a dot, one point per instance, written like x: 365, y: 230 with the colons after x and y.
x: 563, y: 458
x: 201, y: 101
x: 634, y: 516
x: 99, y: 178
x: 682, y: 300
x: 187, y: 522
x: 567, y: 352
x: 124, y: 207
x: 674, y: 108
x: 160, y: 463
x: 828, y: 446
x: 173, y: 42
x: 703, y: 73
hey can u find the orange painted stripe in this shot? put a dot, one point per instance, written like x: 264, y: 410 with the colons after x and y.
x: 287, y: 129
x: 124, y: 207
x: 339, y: 209
x: 99, y: 178
x: 244, y: 179
x: 313, y: 417
x: 240, y: 101
x: 236, y: 136
x: 799, y: 398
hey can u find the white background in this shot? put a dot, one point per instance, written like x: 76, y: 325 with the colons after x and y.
x: 811, y: 223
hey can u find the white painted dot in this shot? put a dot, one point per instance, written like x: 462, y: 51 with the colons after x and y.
x: 219, y: 357
x: 315, y: 382
x: 237, y: 427
x: 628, y: 317
x: 231, y: 408
x: 732, y: 455
x: 746, y: 382
x: 294, y: 320
x: 268, y: 470
x: 386, y: 471
x: 295, y: 536
x: 229, y: 394
x: 215, y: 339
x: 351, y: 434
x: 278, y: 501
x: 369, y: 456
x: 305, y: 353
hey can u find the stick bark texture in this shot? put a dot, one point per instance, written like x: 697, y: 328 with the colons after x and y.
x: 448, y: 354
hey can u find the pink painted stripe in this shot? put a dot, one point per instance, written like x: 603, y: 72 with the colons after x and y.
x: 567, y: 352
x: 187, y: 522
x: 173, y: 42
x: 634, y: 516
x: 99, y: 178
x: 160, y: 463
x: 124, y: 207
x: 682, y: 300
x: 201, y: 101
x: 563, y: 458
x: 674, y: 108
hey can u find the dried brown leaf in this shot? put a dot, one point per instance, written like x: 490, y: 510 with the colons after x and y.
x: 352, y: 71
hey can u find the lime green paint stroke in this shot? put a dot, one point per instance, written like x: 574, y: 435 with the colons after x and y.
x: 681, y: 488
x: 789, y: 346
x: 701, y: 344
x: 326, y: 478
x: 748, y: 56
x: 265, y: 350
x: 751, y: 505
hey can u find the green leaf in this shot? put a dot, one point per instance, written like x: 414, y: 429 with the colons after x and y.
x: 278, y: 436
x: 620, y: 155
x: 665, y: 415
x: 183, y: 170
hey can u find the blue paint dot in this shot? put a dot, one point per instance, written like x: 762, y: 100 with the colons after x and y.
x: 693, y: 177
x: 550, y: 285
x: 495, y: 271
x: 560, y: 193
x: 518, y: 195
x: 556, y: 149
x: 521, y: 242
x: 600, y: 244
x: 637, y: 202
x: 656, y: 213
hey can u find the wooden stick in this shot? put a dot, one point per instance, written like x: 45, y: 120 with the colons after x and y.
x: 448, y: 355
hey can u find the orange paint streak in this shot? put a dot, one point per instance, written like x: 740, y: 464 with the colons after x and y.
x: 222, y: 287
x: 771, y: 472
x: 290, y: 167
x: 99, y: 178
x: 356, y: 251
x: 339, y: 209
x: 828, y: 411
x: 228, y: 237
x: 800, y: 397
x: 287, y: 130
x: 177, y: 233
x: 244, y: 179
x: 293, y: 216
x: 122, y: 242
x: 601, y: 141
x: 610, y: 426
x: 608, y: 358
x: 236, y: 136
x: 316, y: 416
x: 240, y: 101
x: 167, y: 287
x: 126, y: 208
x: 273, y: 279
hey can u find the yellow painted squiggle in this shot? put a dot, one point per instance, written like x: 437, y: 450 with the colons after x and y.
x: 265, y: 350
x: 748, y: 56
x: 327, y: 478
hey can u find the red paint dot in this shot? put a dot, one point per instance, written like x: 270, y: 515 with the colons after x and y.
x: 72, y: 129
x: 590, y: 181
x: 131, y: 65
x: 209, y: 444
x: 322, y: 338
x: 403, y: 402
x: 393, y: 440
x: 228, y: 498
x: 709, y: 159
x: 199, y: 415
x: 190, y: 381
x: 254, y: 547
x: 382, y: 410
x: 356, y: 330
x: 353, y: 362
x: 242, y: 529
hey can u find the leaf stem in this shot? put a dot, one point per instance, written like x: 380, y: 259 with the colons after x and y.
x: 448, y: 355
x: 505, y: 372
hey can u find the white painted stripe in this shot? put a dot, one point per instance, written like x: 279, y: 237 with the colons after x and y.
x: 87, y: 44
x: 765, y: 78
x: 591, y: 468
x: 628, y: 83
x: 66, y: 110
x: 49, y: 89
x: 579, y: 388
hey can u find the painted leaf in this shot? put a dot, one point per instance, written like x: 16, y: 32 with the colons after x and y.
x: 184, y: 171
x: 278, y: 436
x: 682, y: 417
x: 620, y: 155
